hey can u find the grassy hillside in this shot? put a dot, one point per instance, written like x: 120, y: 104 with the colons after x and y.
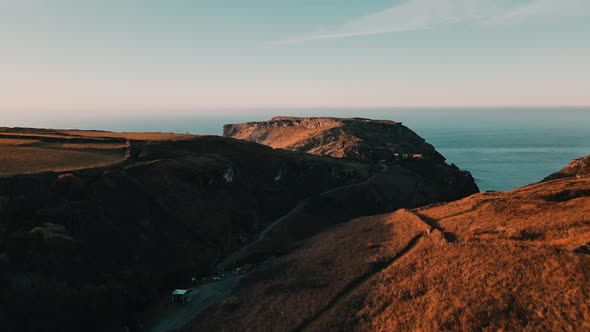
x: 518, y: 260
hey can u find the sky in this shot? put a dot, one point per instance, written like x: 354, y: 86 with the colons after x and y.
x: 106, y: 55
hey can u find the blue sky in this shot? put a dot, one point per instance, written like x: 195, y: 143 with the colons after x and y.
x: 110, y: 55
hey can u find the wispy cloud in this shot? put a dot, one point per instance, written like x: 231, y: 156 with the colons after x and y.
x: 539, y: 8
x: 413, y: 15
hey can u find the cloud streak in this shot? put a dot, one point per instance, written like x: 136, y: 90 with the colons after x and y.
x: 540, y: 8
x: 413, y: 15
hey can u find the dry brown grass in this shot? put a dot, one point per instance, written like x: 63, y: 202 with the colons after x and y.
x: 91, y: 146
x: 475, y: 286
x: 139, y: 136
x: 17, y: 141
x: 286, y: 137
x: 68, y: 134
x: 497, y: 261
x: 25, y: 160
x: 32, y: 133
x: 356, y: 139
x: 323, y: 268
x: 52, y: 152
x: 24, y: 151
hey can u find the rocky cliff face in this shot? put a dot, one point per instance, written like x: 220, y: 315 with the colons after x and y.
x: 577, y: 168
x: 363, y: 140
x: 88, y: 249
x: 356, y: 139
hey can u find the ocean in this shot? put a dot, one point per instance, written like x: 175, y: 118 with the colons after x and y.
x: 504, y: 148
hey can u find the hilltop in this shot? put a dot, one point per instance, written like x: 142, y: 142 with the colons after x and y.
x: 89, y: 243
x: 349, y: 138
x: 29, y: 150
x: 577, y: 168
x: 518, y: 260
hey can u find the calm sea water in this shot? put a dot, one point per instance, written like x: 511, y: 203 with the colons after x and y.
x: 503, y: 148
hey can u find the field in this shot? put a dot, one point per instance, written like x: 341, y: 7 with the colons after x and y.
x: 25, y: 151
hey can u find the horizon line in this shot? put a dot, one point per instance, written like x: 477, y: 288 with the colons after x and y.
x: 259, y: 108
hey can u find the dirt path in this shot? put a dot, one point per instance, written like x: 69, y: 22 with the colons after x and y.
x: 201, y: 297
x: 240, y: 253
x: 345, y: 293
x: 433, y: 223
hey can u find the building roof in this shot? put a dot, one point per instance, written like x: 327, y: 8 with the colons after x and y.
x: 180, y: 292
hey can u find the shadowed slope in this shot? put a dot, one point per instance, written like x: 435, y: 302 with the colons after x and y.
x: 102, y: 243
x: 369, y: 141
x: 87, y: 248
x: 515, y: 260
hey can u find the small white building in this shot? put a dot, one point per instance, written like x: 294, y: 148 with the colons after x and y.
x: 180, y: 296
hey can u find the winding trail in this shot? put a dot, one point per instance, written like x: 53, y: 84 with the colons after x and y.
x: 204, y: 296
x: 243, y: 251
x: 433, y: 223
x: 174, y: 317
x: 348, y: 291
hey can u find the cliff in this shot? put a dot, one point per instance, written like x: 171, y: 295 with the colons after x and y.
x: 380, y: 142
x: 354, y: 138
x: 88, y: 246
x: 577, y: 168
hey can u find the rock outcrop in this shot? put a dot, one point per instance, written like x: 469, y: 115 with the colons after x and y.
x: 577, y: 168
x: 357, y: 139
x: 354, y: 138
x: 87, y: 249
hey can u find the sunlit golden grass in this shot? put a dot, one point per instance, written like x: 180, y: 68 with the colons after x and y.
x: 5, y: 135
x: 91, y: 146
x: 24, y: 151
x: 496, y: 261
x: 68, y: 134
x: 26, y: 155
x: 25, y: 160
x: 17, y: 141
x: 286, y: 137
x: 133, y: 136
